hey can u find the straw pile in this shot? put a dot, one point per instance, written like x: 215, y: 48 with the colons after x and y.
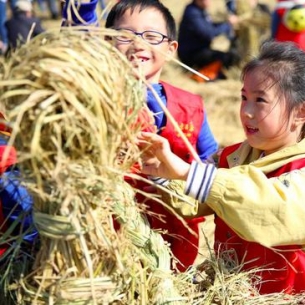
x: 254, y: 27
x: 73, y: 105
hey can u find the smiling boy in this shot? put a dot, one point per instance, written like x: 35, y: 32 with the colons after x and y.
x: 148, y: 39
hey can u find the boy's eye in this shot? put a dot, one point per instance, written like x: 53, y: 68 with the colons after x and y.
x: 123, y: 37
x: 152, y: 37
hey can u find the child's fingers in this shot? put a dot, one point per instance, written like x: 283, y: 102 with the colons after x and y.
x: 143, y: 145
x: 151, y: 137
x: 151, y: 142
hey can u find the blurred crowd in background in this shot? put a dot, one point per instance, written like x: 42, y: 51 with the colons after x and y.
x: 17, y: 20
x: 247, y: 24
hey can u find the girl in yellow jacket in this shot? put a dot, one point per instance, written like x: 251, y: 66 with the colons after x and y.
x: 257, y: 193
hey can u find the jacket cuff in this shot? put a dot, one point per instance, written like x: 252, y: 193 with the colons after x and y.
x: 160, y: 181
x: 199, y: 180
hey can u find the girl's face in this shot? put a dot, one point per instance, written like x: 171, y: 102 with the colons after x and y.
x: 150, y: 59
x: 264, y: 117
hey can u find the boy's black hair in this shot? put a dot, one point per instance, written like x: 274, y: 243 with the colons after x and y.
x: 119, y: 9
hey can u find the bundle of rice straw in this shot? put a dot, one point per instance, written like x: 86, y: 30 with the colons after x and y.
x: 253, y: 28
x: 73, y: 105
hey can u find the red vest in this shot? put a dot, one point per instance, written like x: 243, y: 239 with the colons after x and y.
x: 187, y: 110
x: 286, y: 264
x: 284, y: 34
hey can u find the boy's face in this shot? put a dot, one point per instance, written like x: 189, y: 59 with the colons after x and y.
x: 150, y: 59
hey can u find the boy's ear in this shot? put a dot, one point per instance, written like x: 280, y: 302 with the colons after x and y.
x: 172, y: 48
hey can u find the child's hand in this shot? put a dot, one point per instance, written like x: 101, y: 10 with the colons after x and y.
x: 158, y: 159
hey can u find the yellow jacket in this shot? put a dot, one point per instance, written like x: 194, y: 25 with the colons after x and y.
x: 268, y: 211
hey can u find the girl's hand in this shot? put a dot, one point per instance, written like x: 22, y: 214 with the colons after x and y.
x: 158, y: 159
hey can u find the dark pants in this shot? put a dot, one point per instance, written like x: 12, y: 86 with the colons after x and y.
x: 207, y: 56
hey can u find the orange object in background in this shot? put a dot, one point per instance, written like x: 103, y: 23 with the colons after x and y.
x: 211, y: 71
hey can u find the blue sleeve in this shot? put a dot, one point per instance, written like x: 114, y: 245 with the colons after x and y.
x: 87, y: 11
x: 206, y: 144
x: 202, y: 25
x: 17, y: 203
x: 231, y: 6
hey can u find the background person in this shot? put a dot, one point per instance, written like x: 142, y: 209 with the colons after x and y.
x: 3, y: 31
x: 22, y: 24
x: 15, y: 201
x: 253, y: 29
x: 51, y: 6
x: 196, y: 33
x: 280, y: 30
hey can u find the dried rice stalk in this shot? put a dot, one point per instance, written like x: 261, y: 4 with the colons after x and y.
x: 73, y: 108
x: 254, y: 27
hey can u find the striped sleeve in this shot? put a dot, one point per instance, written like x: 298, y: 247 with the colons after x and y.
x: 158, y: 180
x: 199, y: 180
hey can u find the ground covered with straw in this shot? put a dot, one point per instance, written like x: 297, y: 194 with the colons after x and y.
x: 73, y: 104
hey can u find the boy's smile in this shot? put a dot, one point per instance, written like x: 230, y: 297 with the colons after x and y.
x: 137, y: 59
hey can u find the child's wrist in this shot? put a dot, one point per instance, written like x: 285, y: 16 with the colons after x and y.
x: 182, y: 168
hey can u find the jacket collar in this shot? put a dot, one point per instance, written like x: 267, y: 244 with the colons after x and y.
x: 245, y: 154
